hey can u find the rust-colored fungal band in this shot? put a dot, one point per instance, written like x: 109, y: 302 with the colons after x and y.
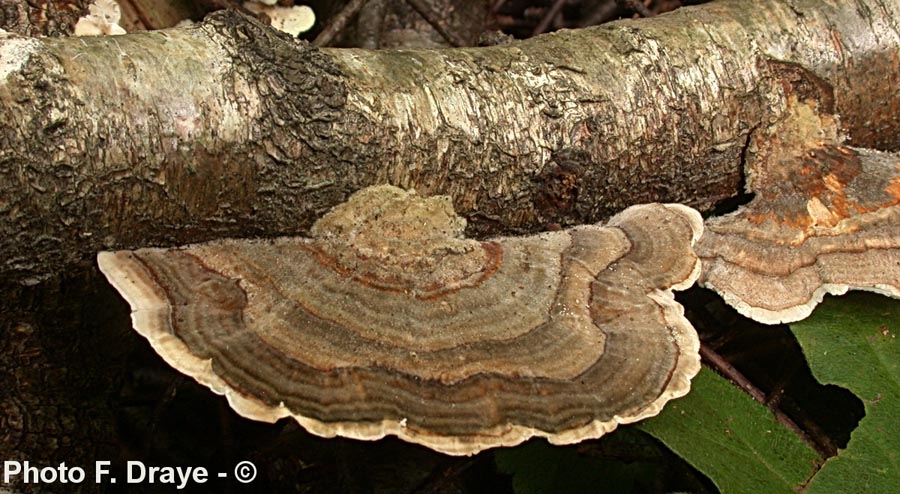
x: 825, y: 218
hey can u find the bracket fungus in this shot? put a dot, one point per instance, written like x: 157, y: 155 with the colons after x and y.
x: 102, y: 19
x: 293, y: 20
x: 388, y: 321
x: 825, y: 219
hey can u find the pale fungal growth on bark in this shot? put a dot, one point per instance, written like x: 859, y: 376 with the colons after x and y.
x: 825, y: 219
x: 103, y: 19
x: 388, y: 321
x: 292, y: 20
x: 15, y: 53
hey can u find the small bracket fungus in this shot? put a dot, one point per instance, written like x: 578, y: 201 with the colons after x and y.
x: 292, y: 20
x: 102, y: 19
x: 388, y: 321
x: 825, y: 219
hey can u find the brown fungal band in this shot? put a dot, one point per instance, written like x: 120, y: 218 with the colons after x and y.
x: 388, y: 321
x: 826, y: 220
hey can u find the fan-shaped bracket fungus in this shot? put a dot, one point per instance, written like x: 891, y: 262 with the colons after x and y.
x: 102, y: 19
x: 825, y: 219
x: 388, y: 321
x: 293, y: 20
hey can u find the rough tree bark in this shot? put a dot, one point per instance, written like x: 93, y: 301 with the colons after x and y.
x: 41, y: 17
x: 229, y: 129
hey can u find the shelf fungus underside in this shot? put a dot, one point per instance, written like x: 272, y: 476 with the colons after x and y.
x: 824, y: 221
x: 388, y: 321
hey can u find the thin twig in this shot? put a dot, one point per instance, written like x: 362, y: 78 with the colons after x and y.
x: 776, y: 393
x: 726, y: 369
x: 497, y: 5
x: 369, y: 24
x: 425, y: 11
x: 548, y: 17
x: 338, y: 22
x: 809, y: 425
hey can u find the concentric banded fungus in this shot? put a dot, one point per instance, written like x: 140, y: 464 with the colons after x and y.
x: 388, y: 322
x: 825, y: 219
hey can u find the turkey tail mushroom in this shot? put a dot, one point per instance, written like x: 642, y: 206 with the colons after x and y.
x: 825, y: 219
x: 388, y: 322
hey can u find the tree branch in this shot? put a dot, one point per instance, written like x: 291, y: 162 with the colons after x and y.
x: 230, y: 129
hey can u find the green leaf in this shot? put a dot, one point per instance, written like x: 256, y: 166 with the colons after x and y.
x: 722, y: 432
x: 623, y: 462
x: 852, y: 342
x: 537, y: 468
